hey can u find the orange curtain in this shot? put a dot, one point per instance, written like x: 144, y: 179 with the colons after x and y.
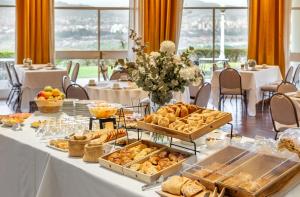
x: 34, y: 30
x: 160, y: 20
x: 266, y: 32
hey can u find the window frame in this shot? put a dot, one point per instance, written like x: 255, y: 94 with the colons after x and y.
x: 293, y: 56
x: 213, y: 9
x: 92, y: 54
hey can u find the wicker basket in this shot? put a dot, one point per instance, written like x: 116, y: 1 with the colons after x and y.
x: 92, y: 153
x: 46, y: 106
x: 76, y: 147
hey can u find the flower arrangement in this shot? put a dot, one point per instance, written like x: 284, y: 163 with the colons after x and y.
x: 163, y: 72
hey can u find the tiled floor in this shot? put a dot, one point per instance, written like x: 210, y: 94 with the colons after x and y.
x: 245, y: 125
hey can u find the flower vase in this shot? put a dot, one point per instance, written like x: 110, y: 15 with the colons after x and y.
x: 155, y: 137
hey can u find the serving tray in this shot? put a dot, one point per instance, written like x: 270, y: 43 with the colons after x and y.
x: 204, y: 129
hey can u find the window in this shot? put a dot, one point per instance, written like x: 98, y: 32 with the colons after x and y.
x: 7, y: 40
x: 91, y: 32
x: 7, y: 28
x: 217, y: 29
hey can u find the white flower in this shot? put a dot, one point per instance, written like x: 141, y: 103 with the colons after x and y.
x: 185, y: 73
x: 176, y: 59
x: 155, y: 54
x: 168, y: 47
x: 142, y: 70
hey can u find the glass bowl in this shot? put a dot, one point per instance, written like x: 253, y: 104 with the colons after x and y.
x: 103, y: 110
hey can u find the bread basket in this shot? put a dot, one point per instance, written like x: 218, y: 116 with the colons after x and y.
x: 76, y: 147
x: 92, y: 152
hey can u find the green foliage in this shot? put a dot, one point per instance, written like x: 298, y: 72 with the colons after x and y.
x: 7, y: 54
x: 233, y: 54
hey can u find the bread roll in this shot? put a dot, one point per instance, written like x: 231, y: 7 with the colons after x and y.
x: 173, y: 185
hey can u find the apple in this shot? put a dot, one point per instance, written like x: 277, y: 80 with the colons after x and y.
x: 47, y: 94
x: 62, y: 95
x: 48, y: 89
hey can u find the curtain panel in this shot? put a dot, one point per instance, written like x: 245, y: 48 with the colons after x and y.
x: 161, y: 21
x: 34, y: 24
x: 266, y: 32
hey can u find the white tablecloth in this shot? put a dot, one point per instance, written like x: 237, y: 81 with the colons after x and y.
x: 252, y: 82
x: 126, y: 94
x: 35, y: 80
x: 28, y: 168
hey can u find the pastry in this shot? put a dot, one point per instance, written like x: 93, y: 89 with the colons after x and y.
x: 171, y: 117
x: 129, y: 154
x: 159, y: 162
x: 191, y: 188
x: 184, y: 187
x: 183, y: 111
x: 163, y: 121
x: 148, y: 118
x: 174, y: 184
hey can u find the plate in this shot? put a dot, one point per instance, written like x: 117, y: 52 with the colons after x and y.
x: 55, y: 148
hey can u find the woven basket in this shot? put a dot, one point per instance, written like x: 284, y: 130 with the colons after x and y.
x: 46, y: 106
x: 76, y: 147
x: 92, y: 153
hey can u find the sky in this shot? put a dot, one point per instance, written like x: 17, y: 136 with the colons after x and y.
x: 104, y: 3
x: 112, y: 3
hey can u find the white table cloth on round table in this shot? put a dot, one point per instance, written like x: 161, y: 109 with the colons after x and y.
x: 252, y: 81
x: 29, y: 168
x: 35, y: 80
x: 126, y: 94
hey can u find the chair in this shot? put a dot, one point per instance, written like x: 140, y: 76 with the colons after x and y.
x: 68, y: 67
x: 283, y: 112
x: 65, y: 83
x: 15, y: 87
x: 11, y: 83
x: 75, y: 72
x: 16, y: 80
x: 75, y: 91
x: 193, y: 91
x: 289, y: 75
x: 230, y: 83
x: 296, y: 78
x: 119, y: 75
x: 203, y: 95
x: 272, y: 88
x: 286, y: 87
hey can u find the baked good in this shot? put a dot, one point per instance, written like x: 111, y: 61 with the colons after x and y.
x: 191, y: 188
x: 129, y: 154
x: 59, y: 143
x: 184, y: 187
x: 158, y: 162
x: 174, y: 184
x: 163, y: 121
x: 289, y: 144
x: 171, y: 117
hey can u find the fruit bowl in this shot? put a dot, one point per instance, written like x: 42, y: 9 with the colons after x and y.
x: 103, y: 110
x: 49, y: 106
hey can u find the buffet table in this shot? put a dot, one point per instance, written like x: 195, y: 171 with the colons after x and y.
x: 126, y: 93
x: 252, y: 81
x: 36, y: 79
x: 29, y: 168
